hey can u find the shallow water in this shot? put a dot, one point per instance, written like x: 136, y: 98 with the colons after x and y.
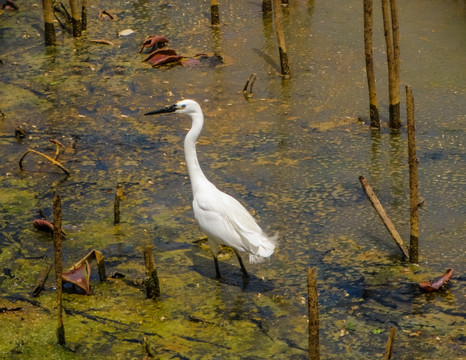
x: 292, y: 152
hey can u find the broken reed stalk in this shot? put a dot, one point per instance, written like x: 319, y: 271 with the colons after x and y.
x: 393, y: 82
x: 152, y: 281
x: 41, y: 279
x: 49, y: 28
x: 84, y: 15
x: 373, y: 107
x: 116, y: 205
x: 53, y: 161
x: 58, y: 264
x: 413, y: 183
x: 251, y: 80
x: 76, y: 21
x: 383, y: 215
x: 277, y: 17
x: 266, y: 6
x: 93, y: 255
x: 215, y: 17
x: 390, y: 344
x: 313, y: 313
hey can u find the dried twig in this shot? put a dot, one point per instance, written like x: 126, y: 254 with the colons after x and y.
x: 251, y: 80
x: 53, y: 161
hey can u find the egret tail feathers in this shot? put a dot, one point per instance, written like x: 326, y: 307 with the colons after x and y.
x: 265, y: 249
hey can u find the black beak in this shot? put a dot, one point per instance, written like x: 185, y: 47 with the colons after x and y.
x: 168, y: 109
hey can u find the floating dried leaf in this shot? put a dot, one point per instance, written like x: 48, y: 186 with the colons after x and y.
x: 80, y: 277
x: 43, y: 225
x: 154, y: 42
x: 431, y: 286
x: 126, y: 32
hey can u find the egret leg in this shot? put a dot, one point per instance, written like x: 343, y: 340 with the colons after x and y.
x: 243, y: 269
x: 217, y: 269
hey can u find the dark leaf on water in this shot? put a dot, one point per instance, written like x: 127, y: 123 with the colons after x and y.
x: 431, y: 286
x: 10, y: 5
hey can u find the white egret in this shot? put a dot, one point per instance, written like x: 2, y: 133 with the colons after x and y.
x: 221, y: 217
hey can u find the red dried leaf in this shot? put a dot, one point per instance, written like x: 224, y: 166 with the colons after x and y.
x: 152, y: 41
x: 160, y: 52
x: 79, y: 277
x: 163, y: 60
x: 430, y: 286
x: 43, y: 225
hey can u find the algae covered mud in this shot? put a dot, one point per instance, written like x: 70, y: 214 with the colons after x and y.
x: 293, y: 152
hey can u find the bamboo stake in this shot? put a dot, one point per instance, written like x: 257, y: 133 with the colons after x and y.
x: 215, y: 17
x: 116, y: 205
x: 152, y: 281
x: 313, y: 313
x: 266, y: 6
x: 84, y: 14
x: 49, y: 28
x: 413, y: 183
x: 390, y: 344
x: 393, y: 88
x: 383, y: 215
x: 396, y: 44
x: 58, y: 264
x: 76, y: 21
x: 373, y: 107
x: 277, y: 16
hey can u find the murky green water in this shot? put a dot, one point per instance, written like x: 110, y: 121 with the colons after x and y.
x: 293, y: 153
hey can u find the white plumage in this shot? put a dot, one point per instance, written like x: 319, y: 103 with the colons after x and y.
x: 221, y: 217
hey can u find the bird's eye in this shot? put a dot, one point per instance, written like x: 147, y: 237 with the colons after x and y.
x: 183, y: 106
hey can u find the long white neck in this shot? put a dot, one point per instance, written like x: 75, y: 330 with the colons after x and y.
x: 195, y: 173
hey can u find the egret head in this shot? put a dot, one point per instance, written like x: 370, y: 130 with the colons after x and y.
x: 183, y: 107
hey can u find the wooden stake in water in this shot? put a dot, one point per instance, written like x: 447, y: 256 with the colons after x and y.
x: 373, y: 107
x: 390, y: 344
x: 313, y: 313
x: 266, y: 6
x: 393, y: 80
x: 383, y: 216
x: 58, y: 264
x: 152, y: 281
x: 49, y: 28
x: 116, y: 205
x: 413, y: 183
x: 84, y: 15
x: 75, y: 18
x: 214, y: 14
x: 277, y: 16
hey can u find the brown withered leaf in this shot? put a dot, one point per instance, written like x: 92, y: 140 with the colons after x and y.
x: 162, y: 57
x: 80, y: 277
x: 430, y: 286
x: 43, y: 225
x: 153, y: 42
